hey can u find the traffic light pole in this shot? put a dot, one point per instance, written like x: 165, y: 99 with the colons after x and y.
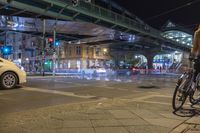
x: 43, y: 47
x: 54, y: 54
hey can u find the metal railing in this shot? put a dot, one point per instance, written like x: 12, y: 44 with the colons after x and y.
x: 93, y: 11
x: 109, y: 16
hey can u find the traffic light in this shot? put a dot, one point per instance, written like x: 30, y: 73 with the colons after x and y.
x: 6, y: 50
x: 75, y: 2
x: 57, y: 43
x: 48, y: 62
x: 50, y: 39
x: 50, y: 42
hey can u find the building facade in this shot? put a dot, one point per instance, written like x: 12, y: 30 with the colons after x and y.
x: 28, y: 52
x: 81, y: 56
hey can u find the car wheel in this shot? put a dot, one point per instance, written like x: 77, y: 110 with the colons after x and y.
x: 8, y: 80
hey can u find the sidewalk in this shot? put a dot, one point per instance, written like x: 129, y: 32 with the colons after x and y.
x: 192, y: 125
x: 120, y: 115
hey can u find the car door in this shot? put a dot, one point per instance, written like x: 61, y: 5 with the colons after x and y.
x: 1, y: 67
x: 1, y: 63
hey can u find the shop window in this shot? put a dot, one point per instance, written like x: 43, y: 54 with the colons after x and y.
x: 98, y: 51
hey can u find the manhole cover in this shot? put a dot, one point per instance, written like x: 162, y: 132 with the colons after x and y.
x: 148, y: 87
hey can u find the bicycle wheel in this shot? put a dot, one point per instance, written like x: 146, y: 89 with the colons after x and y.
x: 180, y: 92
x: 195, y: 94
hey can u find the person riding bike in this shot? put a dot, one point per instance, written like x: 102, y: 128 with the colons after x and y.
x: 195, y: 53
x: 187, y: 86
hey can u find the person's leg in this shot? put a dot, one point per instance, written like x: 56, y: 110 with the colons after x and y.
x: 196, y: 70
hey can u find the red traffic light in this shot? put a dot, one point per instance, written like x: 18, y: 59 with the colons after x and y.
x: 50, y: 39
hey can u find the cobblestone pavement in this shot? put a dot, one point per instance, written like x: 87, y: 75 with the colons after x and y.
x: 191, y: 125
x: 142, y: 114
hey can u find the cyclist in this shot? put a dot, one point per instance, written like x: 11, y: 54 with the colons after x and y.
x: 195, y: 53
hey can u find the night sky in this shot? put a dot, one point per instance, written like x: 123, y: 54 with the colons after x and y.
x: 183, y: 12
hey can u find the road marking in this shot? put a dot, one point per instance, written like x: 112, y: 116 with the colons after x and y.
x: 162, y: 103
x: 66, y: 82
x: 112, y: 88
x: 44, y: 77
x: 7, y: 99
x: 76, y: 84
x: 188, y: 104
x: 144, y: 99
x: 57, y: 92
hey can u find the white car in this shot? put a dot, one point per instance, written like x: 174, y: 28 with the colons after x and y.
x: 10, y: 74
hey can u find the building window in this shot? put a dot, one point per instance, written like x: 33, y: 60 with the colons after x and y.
x: 87, y: 50
x: 78, y: 50
x: 98, y: 51
x: 20, y: 55
x: 70, y: 51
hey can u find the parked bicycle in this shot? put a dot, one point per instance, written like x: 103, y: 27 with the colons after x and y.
x: 184, y: 90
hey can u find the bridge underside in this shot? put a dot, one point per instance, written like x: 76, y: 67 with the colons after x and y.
x: 85, y: 12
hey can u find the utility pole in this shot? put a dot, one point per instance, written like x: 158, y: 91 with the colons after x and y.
x: 54, y: 53
x: 43, y: 47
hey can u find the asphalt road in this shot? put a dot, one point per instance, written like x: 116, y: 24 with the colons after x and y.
x: 137, y: 104
x: 45, y: 91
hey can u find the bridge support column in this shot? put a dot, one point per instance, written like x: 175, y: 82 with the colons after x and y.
x: 149, y: 57
x: 150, y: 60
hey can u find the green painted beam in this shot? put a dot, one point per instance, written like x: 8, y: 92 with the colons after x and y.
x: 34, y: 9
x: 93, y: 11
x: 89, y: 11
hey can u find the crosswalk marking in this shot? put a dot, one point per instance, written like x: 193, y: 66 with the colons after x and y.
x: 57, y: 92
x: 153, y: 102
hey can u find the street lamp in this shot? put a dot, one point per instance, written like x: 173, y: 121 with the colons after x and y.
x: 105, y: 50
